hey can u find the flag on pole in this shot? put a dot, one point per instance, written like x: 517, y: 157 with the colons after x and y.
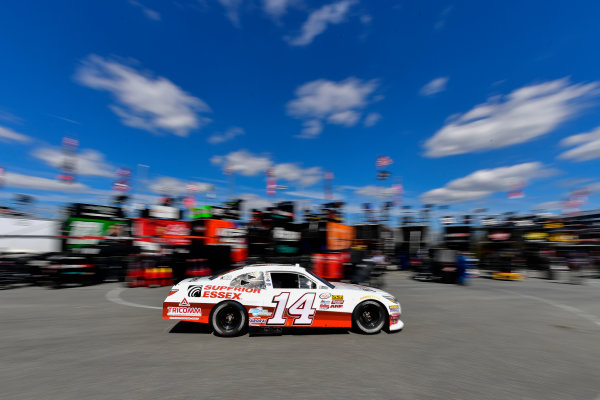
x: 398, y: 190
x: 383, y: 161
x: 123, y: 172
x: 576, y: 199
x: 121, y: 184
x: 189, y: 201
x: 67, y: 165
x: 70, y: 143
x: 271, y: 182
x: 192, y: 188
x: 383, y: 175
x: 515, y: 194
x: 516, y: 191
x: 328, y: 178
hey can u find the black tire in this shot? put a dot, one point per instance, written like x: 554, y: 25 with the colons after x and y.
x: 369, y: 317
x: 229, y: 319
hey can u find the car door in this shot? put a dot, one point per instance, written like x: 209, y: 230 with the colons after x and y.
x: 292, y: 298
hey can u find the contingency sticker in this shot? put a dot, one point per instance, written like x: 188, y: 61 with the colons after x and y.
x: 186, y: 312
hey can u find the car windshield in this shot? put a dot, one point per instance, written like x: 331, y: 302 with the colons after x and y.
x: 224, y: 273
x: 323, y: 281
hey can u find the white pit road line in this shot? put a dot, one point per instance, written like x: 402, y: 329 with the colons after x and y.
x: 573, y: 310
x: 114, y: 296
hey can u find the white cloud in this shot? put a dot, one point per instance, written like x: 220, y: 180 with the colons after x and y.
x: 149, y: 13
x: 71, y: 121
x: 249, y: 164
x: 345, y: 118
x: 252, y: 200
x: 572, y: 182
x: 311, y: 194
x: 172, y: 186
x: 87, y: 162
x: 143, y: 101
x: 549, y: 205
x: 354, y: 209
x: 311, y: 129
x: 371, y: 119
x: 435, y: 86
x: 15, y: 180
x: 484, y: 182
x: 232, y: 10
x: 587, y: 146
x: 9, y: 117
x: 594, y: 187
x: 243, y: 162
x: 228, y: 135
x: 375, y: 191
x: 523, y: 115
x: 336, y: 102
x: 441, y: 22
x: 319, y: 20
x: 294, y: 173
x: 276, y: 8
x: 366, y: 19
x: 7, y: 134
x: 322, y: 97
x: 575, y: 185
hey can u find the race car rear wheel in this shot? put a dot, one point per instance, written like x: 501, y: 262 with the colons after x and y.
x: 229, y: 319
x: 369, y: 317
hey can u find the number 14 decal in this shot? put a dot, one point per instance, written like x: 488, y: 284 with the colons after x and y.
x: 302, y: 310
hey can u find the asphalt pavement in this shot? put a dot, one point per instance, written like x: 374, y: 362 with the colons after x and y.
x: 534, y: 339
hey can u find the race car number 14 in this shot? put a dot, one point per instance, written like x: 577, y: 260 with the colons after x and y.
x: 302, y: 310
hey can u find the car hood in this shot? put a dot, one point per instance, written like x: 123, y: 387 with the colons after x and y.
x: 194, y: 281
x: 358, y: 288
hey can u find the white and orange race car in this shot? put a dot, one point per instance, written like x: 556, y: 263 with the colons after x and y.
x: 274, y: 296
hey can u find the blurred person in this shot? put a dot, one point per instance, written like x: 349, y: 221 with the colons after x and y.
x: 545, y: 260
x: 595, y: 262
x: 380, y: 263
x: 462, y: 263
x: 377, y: 257
x: 369, y: 268
x: 576, y: 262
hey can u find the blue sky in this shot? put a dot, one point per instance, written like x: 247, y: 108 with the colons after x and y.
x: 469, y: 99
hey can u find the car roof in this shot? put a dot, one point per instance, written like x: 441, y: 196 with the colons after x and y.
x: 274, y: 267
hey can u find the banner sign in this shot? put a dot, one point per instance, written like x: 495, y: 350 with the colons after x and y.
x: 164, y: 212
x: 92, y: 227
x: 162, y: 227
x: 339, y: 236
x: 230, y: 233
x: 94, y: 211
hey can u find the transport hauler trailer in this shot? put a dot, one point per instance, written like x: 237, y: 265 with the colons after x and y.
x: 96, y: 245
x: 29, y: 235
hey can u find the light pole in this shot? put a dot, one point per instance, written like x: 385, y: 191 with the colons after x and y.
x: 140, y: 183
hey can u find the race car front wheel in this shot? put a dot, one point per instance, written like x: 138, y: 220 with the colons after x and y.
x: 229, y: 319
x: 369, y: 317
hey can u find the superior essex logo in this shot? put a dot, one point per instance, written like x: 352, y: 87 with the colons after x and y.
x: 195, y: 291
x: 225, y: 292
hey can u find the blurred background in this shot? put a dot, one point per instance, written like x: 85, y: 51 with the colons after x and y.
x: 387, y: 143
